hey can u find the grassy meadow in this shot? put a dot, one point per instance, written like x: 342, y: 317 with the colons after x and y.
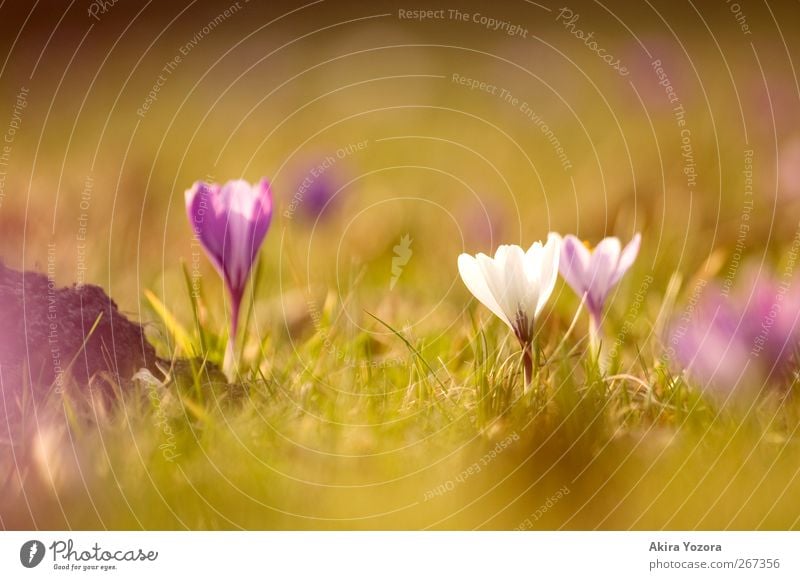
x: 375, y: 392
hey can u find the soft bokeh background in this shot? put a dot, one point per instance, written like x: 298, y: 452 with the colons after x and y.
x: 278, y: 88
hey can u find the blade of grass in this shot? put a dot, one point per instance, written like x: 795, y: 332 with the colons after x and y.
x: 195, y: 308
x: 89, y: 334
x: 419, y: 356
x: 255, y: 281
x: 195, y: 409
x: 179, y: 334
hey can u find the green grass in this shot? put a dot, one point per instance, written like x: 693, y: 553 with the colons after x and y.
x: 362, y: 407
x: 392, y: 438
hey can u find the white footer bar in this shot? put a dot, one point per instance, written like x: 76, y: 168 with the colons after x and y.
x: 401, y: 555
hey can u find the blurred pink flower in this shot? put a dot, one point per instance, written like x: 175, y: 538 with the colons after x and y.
x: 742, y: 341
x: 231, y: 221
x: 711, y: 346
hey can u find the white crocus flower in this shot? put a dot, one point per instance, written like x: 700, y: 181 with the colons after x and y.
x: 515, y: 285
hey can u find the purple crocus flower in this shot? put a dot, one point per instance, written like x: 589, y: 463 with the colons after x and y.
x: 231, y: 221
x: 594, y: 272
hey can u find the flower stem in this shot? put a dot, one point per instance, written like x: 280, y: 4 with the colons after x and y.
x: 594, y: 337
x: 229, y: 363
x: 527, y: 363
x: 596, y: 356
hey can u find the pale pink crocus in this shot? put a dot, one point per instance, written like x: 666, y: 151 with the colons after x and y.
x: 593, y: 273
x: 230, y: 221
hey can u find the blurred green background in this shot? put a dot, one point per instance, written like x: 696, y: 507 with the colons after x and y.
x: 272, y: 89
x: 114, y: 128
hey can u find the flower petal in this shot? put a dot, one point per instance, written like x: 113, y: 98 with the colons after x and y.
x: 548, y: 270
x: 598, y: 279
x: 261, y: 216
x: 514, y: 284
x: 574, y: 264
x: 231, y: 222
x: 516, y: 290
x: 495, y: 276
x: 205, y: 220
x: 627, y: 258
x: 474, y: 278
